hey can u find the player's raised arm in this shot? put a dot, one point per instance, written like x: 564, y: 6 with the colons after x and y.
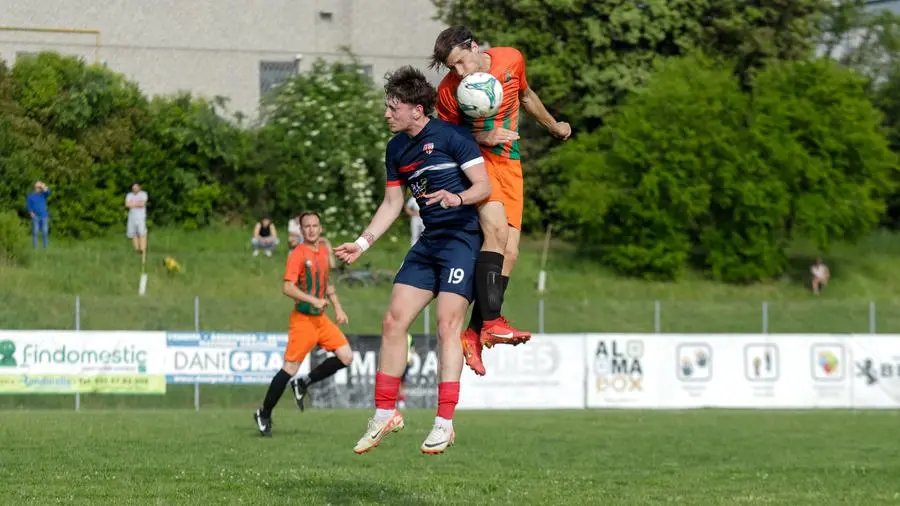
x: 387, y: 213
x: 532, y: 104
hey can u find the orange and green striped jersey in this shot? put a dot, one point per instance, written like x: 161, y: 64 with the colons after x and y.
x: 307, y: 268
x: 508, y: 66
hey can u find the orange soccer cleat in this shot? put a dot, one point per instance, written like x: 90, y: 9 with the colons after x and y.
x: 499, y: 331
x: 471, y: 344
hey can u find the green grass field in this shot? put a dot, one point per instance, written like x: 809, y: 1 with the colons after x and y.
x: 578, y: 457
x: 242, y: 293
x: 139, y: 450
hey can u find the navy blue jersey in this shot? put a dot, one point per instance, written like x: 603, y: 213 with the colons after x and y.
x: 435, y: 159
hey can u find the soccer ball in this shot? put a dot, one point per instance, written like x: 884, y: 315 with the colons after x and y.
x: 479, y: 95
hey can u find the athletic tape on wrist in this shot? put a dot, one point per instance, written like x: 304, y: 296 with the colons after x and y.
x: 363, y: 243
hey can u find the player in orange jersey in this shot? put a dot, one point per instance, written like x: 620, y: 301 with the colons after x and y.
x: 498, y: 137
x: 306, y: 282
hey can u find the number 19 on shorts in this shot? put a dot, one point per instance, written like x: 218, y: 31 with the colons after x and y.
x: 456, y: 276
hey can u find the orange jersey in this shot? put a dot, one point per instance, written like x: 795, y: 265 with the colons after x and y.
x: 508, y: 66
x: 307, y: 268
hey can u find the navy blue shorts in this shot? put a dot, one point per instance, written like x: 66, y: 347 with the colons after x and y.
x: 442, y: 263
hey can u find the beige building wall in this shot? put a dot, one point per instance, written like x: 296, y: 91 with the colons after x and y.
x: 215, y: 47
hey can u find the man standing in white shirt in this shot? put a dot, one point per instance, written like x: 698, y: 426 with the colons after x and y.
x: 136, y: 230
x: 416, y: 225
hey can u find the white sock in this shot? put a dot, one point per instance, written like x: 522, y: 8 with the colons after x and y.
x: 383, y: 414
x: 443, y: 422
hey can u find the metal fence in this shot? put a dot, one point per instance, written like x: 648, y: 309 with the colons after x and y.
x: 539, y: 314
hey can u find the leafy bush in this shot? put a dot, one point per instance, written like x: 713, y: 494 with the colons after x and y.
x: 818, y: 131
x: 694, y: 169
x: 13, y: 240
x: 90, y: 134
x: 322, y: 147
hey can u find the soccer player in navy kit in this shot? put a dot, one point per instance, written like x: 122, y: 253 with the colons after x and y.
x: 442, y: 165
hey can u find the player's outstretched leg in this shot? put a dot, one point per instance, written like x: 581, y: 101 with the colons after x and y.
x: 330, y: 366
x: 487, y: 272
x: 386, y: 419
x: 299, y: 344
x: 518, y: 336
x: 406, y: 303
x: 509, y: 260
x: 487, y: 324
x: 451, y: 310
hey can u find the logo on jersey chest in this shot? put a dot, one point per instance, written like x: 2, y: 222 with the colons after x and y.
x: 428, y: 148
x: 419, y: 188
x: 507, y: 76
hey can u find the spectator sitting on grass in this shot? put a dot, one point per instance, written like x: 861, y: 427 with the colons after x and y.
x: 265, y: 237
x: 820, y: 275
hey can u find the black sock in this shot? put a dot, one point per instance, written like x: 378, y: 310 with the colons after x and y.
x: 330, y: 366
x: 276, y: 388
x: 489, y: 284
x: 476, y: 322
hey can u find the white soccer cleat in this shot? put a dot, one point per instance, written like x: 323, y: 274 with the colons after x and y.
x: 377, y: 430
x: 438, y: 440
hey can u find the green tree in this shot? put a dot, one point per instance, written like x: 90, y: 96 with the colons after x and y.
x: 584, y: 57
x: 822, y: 135
x: 71, y: 125
x: 190, y: 158
x: 69, y: 97
x: 887, y: 98
x: 90, y: 134
x: 754, y: 33
x: 641, y: 189
x: 693, y: 169
x: 864, y: 38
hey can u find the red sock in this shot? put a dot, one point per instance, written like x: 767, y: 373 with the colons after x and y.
x: 386, y: 388
x: 448, y: 397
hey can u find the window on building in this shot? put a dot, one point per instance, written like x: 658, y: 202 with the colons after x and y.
x: 273, y: 73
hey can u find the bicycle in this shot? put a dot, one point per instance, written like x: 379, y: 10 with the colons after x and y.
x: 364, y: 276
